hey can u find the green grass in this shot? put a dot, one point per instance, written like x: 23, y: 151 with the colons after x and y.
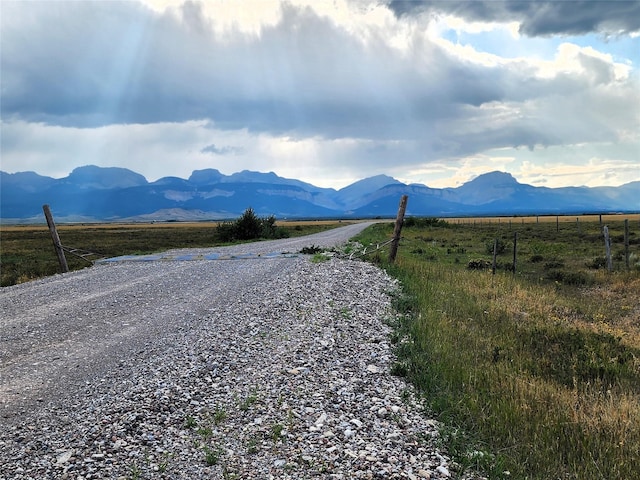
x: 534, y: 374
x: 219, y: 415
x: 245, y: 404
x: 212, y: 455
x: 277, y: 431
x: 27, y: 253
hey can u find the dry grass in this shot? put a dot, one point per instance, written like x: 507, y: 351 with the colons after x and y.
x: 540, y: 370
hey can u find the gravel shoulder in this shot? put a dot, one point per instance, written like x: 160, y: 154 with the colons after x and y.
x: 269, y: 368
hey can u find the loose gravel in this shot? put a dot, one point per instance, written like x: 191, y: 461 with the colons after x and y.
x: 273, y: 368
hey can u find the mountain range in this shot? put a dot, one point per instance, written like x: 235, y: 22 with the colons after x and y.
x: 92, y: 193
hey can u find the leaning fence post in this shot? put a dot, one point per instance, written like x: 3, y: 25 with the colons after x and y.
x: 56, y: 239
x: 397, y: 229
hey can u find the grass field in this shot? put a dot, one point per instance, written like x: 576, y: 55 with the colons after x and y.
x: 535, y: 374
x: 27, y: 253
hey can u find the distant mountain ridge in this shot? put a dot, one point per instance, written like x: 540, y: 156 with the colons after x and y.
x: 92, y: 193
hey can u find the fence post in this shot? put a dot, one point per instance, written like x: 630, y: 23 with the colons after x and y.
x: 495, y: 254
x: 607, y: 247
x: 56, y: 239
x: 626, y: 242
x: 515, y: 249
x: 397, y: 229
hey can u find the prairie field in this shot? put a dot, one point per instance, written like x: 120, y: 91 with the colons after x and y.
x: 534, y: 371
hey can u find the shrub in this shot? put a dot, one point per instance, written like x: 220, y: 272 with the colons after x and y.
x: 249, y: 227
x: 480, y: 264
x: 597, y: 262
x: 225, y: 231
x: 501, y: 247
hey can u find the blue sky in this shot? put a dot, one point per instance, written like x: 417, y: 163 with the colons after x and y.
x: 328, y: 92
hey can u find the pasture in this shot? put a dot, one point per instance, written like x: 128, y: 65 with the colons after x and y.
x: 535, y: 373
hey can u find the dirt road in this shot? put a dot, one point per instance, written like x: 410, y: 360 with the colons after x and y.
x: 59, y: 333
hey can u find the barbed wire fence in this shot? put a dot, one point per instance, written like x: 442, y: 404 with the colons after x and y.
x: 84, y: 254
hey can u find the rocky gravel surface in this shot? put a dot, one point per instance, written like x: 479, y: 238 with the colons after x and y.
x: 275, y: 368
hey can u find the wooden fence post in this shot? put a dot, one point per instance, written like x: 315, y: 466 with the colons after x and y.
x: 398, y: 228
x: 515, y: 249
x: 495, y: 254
x: 56, y: 239
x: 626, y: 242
x: 607, y: 247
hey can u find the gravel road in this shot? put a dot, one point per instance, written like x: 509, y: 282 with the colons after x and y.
x: 263, y: 367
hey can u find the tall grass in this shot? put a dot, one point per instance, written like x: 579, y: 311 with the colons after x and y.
x: 535, y: 378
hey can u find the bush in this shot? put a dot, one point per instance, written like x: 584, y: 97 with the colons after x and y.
x: 225, y: 232
x: 597, y: 262
x: 249, y: 227
x: 478, y: 264
x: 501, y: 247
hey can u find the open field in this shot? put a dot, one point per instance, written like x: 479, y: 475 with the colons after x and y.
x: 27, y: 253
x: 535, y: 373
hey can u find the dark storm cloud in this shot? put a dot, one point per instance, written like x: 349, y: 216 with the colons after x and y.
x: 538, y: 17
x: 97, y: 63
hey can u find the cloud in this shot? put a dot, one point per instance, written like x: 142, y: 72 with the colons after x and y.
x: 537, y: 17
x: 226, y: 150
x: 305, y: 75
x: 339, y: 90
